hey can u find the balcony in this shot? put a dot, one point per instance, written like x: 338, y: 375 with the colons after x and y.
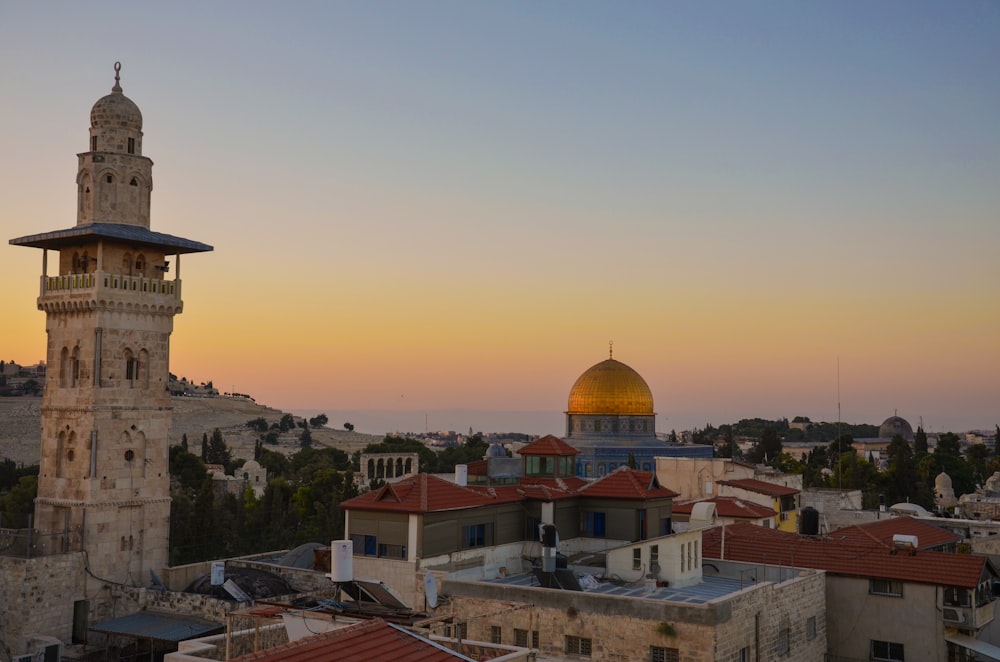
x: 968, y: 617
x: 102, y: 289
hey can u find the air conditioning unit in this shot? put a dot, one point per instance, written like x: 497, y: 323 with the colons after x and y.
x: 27, y: 657
x: 953, y: 615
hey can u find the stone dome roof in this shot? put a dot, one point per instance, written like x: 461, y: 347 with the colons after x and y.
x: 610, y: 387
x: 895, y: 425
x: 943, y: 481
x: 116, y: 111
x: 495, y: 450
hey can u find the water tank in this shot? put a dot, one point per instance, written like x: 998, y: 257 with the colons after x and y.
x: 341, y: 561
x: 218, y: 576
x: 809, y: 521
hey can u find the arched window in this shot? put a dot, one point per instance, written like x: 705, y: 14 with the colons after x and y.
x: 399, y: 466
x: 64, y: 367
x: 74, y: 367
x: 388, y: 468
x: 380, y: 469
x: 409, y: 465
x: 140, y: 264
x: 371, y: 468
x: 61, y: 454
x: 127, y: 263
x: 131, y: 367
x: 143, y: 368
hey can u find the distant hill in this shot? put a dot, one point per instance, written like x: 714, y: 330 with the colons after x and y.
x: 20, y: 429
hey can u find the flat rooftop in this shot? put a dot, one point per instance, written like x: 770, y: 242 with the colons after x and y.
x: 710, y: 588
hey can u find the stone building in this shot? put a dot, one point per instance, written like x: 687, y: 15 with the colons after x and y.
x: 109, y: 305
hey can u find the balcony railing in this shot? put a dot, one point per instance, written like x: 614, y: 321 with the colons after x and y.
x: 70, y: 283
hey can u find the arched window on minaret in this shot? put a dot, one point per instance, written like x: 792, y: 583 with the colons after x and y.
x: 143, y: 368
x: 84, y: 185
x: 140, y: 264
x: 127, y: 264
x: 64, y: 367
x: 131, y: 367
x: 74, y: 367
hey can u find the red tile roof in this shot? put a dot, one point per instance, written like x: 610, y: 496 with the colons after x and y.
x: 548, y: 445
x: 756, y: 544
x: 626, y: 483
x: 425, y: 493
x: 369, y: 641
x: 761, y: 487
x: 728, y: 507
x: 928, y: 535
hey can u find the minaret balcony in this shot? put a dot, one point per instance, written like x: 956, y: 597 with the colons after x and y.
x: 101, y: 289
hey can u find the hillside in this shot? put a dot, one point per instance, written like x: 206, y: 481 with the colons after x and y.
x: 20, y: 431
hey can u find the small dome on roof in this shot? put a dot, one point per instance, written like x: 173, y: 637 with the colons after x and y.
x: 943, y: 481
x: 895, y: 425
x: 116, y: 111
x: 496, y: 450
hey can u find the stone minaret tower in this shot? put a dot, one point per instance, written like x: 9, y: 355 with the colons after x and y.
x: 109, y: 312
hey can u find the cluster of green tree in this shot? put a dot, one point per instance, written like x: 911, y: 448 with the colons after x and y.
x: 756, y: 427
x: 300, y: 504
x: 27, y: 387
x: 18, y: 488
x: 908, y: 476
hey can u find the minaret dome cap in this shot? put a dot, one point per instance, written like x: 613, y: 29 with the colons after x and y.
x: 116, y: 111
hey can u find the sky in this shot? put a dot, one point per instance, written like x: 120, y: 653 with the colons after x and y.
x: 773, y: 209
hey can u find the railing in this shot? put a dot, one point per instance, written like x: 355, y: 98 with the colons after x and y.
x: 108, y: 281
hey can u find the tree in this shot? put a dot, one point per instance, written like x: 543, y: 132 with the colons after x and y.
x: 186, y: 468
x: 218, y: 452
x: 305, y: 439
x: 319, y: 421
x: 258, y: 424
x: 31, y: 387
x: 184, y: 441
x: 204, y: 446
x: 949, y: 444
x: 920, y: 441
x: 286, y: 423
x: 349, y: 426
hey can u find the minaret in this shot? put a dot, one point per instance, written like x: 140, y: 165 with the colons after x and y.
x: 109, y: 311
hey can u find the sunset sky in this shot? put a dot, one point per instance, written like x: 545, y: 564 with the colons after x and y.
x: 456, y: 205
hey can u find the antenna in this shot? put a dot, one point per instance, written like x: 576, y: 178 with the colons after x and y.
x: 840, y: 473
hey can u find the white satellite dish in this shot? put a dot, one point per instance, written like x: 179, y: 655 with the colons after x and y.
x: 431, y: 590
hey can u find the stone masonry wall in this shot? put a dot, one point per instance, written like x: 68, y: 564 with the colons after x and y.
x: 37, y: 597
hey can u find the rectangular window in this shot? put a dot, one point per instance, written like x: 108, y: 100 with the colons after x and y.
x: 654, y: 557
x: 577, y: 646
x: 892, y: 587
x: 886, y: 651
x: 811, y: 627
x: 392, y: 551
x: 477, y: 535
x: 93, y: 143
x: 131, y: 145
x: 957, y: 597
x: 496, y: 634
x: 592, y: 524
x: 745, y: 654
x: 521, y: 638
x: 661, y: 654
x: 364, y: 545
x: 783, y: 642
x: 637, y: 558
x: 534, y: 638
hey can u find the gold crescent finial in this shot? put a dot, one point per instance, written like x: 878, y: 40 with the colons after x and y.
x: 611, y: 349
x: 117, y: 87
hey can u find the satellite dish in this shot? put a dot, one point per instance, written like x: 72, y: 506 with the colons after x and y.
x: 431, y: 590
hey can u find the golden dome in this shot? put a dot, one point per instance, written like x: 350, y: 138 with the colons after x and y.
x: 610, y: 387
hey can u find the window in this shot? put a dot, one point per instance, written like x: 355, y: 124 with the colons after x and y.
x: 957, y: 597
x: 637, y: 558
x: 887, y: 651
x: 386, y: 551
x: 592, y: 524
x: 654, y: 557
x: 131, y: 145
x: 577, y: 646
x: 893, y: 587
x: 462, y: 630
x: 534, y: 638
x: 109, y: 179
x: 521, y: 638
x: 93, y: 143
x: 745, y: 654
x: 661, y: 654
x: 364, y: 545
x: 811, y: 627
x: 496, y: 634
x: 783, y: 642
x: 477, y: 535
x: 538, y: 465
